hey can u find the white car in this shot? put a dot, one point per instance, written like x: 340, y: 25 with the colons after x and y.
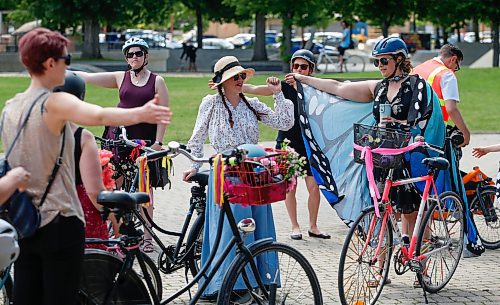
x: 241, y: 39
x: 217, y: 43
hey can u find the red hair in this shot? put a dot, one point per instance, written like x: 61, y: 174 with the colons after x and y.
x: 36, y: 46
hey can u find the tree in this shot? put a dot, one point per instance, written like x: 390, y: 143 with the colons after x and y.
x: 489, y: 11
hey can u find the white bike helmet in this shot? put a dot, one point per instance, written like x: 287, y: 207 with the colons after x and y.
x: 135, y: 42
x: 9, y: 249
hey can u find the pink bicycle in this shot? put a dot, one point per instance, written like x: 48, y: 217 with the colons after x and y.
x: 436, y: 244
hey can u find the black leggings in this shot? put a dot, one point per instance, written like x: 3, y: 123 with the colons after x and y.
x: 48, y: 269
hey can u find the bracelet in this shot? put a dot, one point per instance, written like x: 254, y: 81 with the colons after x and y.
x: 159, y: 143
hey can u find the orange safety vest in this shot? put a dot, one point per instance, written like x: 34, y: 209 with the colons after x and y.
x: 432, y: 71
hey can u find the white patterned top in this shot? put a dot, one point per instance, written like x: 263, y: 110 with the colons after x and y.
x: 213, y: 120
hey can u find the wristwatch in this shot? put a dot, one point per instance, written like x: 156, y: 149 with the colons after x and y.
x: 159, y: 143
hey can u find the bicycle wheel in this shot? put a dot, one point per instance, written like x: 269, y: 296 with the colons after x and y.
x: 153, y: 272
x: 360, y: 279
x: 98, y: 272
x: 193, y: 244
x: 485, y: 209
x: 285, y: 272
x: 324, y: 63
x: 354, y: 63
x: 442, y: 228
x: 6, y: 289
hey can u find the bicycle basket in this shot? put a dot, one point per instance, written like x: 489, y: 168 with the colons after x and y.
x: 257, y: 181
x: 379, y: 137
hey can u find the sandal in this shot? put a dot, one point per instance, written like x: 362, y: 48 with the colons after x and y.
x: 147, y: 246
x: 375, y: 283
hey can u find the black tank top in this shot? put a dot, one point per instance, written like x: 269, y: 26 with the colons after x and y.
x: 78, y: 154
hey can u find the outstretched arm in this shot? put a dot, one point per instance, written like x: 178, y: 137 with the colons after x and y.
x: 102, y: 79
x: 478, y: 152
x: 356, y: 91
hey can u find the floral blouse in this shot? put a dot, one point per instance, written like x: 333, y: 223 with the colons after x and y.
x: 213, y: 120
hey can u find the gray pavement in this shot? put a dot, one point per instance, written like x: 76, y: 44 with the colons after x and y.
x: 476, y: 281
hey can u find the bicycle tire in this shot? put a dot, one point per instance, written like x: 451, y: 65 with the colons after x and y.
x: 98, y: 272
x: 6, y: 292
x: 153, y: 272
x: 365, y: 275
x: 488, y: 231
x: 448, y: 222
x: 194, y: 243
x: 265, y: 253
x: 354, y: 63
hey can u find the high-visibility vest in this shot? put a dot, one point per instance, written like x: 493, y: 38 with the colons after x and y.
x: 432, y: 71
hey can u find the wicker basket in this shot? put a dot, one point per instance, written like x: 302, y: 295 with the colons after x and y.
x: 379, y: 137
x: 257, y: 181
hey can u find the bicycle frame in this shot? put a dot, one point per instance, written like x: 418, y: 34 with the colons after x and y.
x: 408, y: 253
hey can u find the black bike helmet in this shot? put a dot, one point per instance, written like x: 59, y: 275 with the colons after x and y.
x: 73, y: 84
x: 305, y: 54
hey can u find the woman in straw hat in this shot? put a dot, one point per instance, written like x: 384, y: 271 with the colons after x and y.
x: 230, y: 119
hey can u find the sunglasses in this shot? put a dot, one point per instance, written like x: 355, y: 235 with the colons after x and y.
x: 302, y: 66
x: 138, y: 54
x: 457, y: 68
x: 382, y: 61
x: 67, y: 59
x: 237, y: 76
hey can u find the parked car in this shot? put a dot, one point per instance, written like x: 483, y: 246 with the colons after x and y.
x: 242, y: 40
x: 216, y: 43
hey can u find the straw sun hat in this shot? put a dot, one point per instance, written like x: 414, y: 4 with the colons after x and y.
x: 227, y: 67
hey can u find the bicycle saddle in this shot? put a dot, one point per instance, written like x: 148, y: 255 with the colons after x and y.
x: 436, y: 162
x: 121, y: 200
x: 201, y: 177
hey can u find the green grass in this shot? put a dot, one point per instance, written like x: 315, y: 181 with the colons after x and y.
x: 479, y: 93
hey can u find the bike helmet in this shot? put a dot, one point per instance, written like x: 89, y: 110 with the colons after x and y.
x: 305, y: 54
x: 73, y: 84
x: 390, y: 45
x: 9, y: 249
x: 135, y: 42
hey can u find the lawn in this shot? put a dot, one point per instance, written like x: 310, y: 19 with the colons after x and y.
x: 479, y: 92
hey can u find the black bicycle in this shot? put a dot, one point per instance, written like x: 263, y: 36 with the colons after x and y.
x: 283, y: 277
x: 187, y: 250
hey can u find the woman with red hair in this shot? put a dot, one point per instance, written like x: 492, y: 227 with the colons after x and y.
x: 48, y: 268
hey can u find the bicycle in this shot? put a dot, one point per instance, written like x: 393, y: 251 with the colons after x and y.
x: 271, y: 287
x: 484, y: 207
x: 352, y: 62
x: 437, y: 240
x: 183, y: 254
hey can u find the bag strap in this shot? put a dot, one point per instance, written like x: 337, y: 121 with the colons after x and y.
x: 23, y: 124
x: 58, y: 163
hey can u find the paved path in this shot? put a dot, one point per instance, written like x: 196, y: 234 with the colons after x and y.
x: 476, y: 281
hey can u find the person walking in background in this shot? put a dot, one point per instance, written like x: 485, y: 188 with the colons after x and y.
x: 230, y: 119
x: 136, y: 87
x: 346, y: 42
x: 439, y: 72
x: 302, y: 62
x: 189, y: 53
x: 47, y: 271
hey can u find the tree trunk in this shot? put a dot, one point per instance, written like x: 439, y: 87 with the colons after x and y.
x: 286, y: 49
x: 445, y: 35
x: 91, y: 47
x: 199, y: 30
x: 385, y: 28
x: 475, y: 27
x: 259, y: 51
x: 459, y: 39
x: 495, y: 27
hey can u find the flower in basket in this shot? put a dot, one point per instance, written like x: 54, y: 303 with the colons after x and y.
x: 295, y: 164
x: 107, y: 169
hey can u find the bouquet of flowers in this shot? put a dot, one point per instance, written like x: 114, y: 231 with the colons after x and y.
x: 107, y: 169
x: 295, y: 164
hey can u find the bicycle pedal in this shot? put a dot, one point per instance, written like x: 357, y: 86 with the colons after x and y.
x: 415, y: 265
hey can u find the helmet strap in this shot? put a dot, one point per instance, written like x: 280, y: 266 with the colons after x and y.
x: 395, y: 78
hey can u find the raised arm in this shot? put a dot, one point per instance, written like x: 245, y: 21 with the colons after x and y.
x: 262, y: 90
x: 102, y: 79
x: 355, y: 91
x: 61, y: 107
